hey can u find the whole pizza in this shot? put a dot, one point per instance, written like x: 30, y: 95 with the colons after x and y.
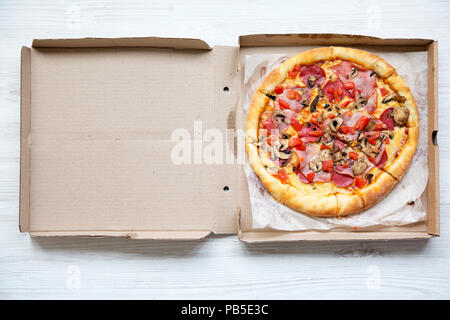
x: 331, y: 131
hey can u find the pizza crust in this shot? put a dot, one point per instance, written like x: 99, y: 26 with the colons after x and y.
x: 377, y: 190
x: 349, y: 203
x: 401, y: 164
x: 317, y: 205
x: 364, y: 59
x: 275, y: 77
x: 273, y: 185
x: 397, y: 83
x: 361, y: 57
x: 255, y: 109
x: 398, y: 165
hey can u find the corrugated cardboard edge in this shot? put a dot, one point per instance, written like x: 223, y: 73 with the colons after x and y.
x: 139, y: 235
x: 264, y: 236
x: 155, y: 42
x: 332, y: 39
x: 433, y: 193
x: 25, y: 125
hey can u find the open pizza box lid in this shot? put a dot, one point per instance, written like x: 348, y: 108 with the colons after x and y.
x: 100, y: 119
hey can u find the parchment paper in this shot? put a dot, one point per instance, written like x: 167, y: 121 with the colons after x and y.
x: 403, y: 205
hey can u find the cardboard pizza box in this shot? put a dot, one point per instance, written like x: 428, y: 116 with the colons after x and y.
x: 101, y: 125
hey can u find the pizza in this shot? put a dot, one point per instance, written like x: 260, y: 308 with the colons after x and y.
x: 331, y: 131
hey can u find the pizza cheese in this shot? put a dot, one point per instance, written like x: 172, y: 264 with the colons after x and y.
x: 331, y: 131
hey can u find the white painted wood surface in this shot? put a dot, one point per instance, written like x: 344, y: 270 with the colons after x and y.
x: 219, y: 267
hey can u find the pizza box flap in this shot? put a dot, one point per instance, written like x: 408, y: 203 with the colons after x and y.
x: 97, y: 138
x: 328, y: 39
x: 153, y: 42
